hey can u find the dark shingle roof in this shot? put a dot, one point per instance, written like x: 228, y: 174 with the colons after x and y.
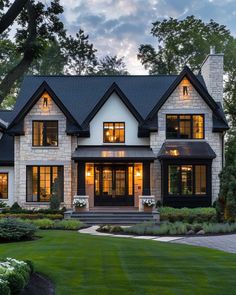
x: 80, y: 94
x: 6, y: 150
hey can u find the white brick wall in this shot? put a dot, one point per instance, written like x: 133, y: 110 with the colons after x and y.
x: 194, y: 104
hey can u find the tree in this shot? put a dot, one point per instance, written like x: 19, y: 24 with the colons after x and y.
x: 80, y: 54
x: 112, y: 65
x: 187, y: 41
x: 37, y: 24
x: 226, y: 203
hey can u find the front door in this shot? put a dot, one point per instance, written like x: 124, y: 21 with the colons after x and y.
x: 113, y: 185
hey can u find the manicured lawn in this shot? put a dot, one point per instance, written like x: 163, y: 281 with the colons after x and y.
x: 82, y: 264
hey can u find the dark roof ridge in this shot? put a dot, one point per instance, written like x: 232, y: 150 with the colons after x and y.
x: 100, y: 76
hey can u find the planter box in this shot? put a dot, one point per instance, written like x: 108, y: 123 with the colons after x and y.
x: 80, y: 209
x: 147, y: 209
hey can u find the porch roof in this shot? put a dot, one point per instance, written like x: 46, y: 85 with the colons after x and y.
x: 113, y: 153
x: 186, y: 150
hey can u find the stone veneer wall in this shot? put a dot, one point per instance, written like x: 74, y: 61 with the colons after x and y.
x: 25, y: 154
x: 193, y: 104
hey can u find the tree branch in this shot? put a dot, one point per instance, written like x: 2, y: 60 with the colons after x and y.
x: 28, y: 57
x: 8, y: 18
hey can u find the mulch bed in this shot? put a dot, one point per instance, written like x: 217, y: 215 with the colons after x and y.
x: 38, y: 285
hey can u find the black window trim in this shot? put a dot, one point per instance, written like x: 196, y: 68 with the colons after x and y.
x: 7, y: 185
x: 191, y: 122
x: 38, y: 182
x: 113, y: 122
x: 44, y: 137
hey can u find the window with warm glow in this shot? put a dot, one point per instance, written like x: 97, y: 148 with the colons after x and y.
x: 3, y: 186
x: 114, y: 132
x: 45, y: 133
x: 42, y: 181
x: 186, y: 180
x: 185, y: 126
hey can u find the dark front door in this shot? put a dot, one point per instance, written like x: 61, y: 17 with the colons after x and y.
x: 113, y: 185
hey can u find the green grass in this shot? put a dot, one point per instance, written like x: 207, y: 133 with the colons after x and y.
x: 82, y: 264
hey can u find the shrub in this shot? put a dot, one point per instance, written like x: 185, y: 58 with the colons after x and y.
x: 187, y: 215
x: 14, y: 274
x: 54, y: 200
x: 42, y: 223
x: 3, y: 205
x: 16, y: 230
x: 16, y: 207
x: 31, y: 216
x: 68, y: 224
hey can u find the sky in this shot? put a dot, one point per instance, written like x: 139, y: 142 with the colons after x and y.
x: 118, y: 27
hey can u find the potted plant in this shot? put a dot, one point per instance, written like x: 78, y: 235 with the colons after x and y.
x: 148, y: 204
x: 79, y: 205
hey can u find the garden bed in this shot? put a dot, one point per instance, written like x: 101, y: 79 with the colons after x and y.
x: 38, y: 285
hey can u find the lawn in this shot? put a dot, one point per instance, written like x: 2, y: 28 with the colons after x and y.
x: 82, y: 264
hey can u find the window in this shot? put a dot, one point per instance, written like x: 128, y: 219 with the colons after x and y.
x: 3, y: 185
x: 114, y: 132
x: 184, y: 126
x: 186, y: 180
x: 45, y: 133
x: 42, y: 181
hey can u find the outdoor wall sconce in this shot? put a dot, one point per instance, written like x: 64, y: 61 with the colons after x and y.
x: 88, y: 173
x: 137, y: 173
x: 185, y: 91
x: 45, y: 102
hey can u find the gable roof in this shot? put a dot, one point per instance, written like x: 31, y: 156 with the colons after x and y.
x: 80, y: 97
x: 16, y: 124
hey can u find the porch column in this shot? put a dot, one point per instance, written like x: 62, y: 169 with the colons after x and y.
x: 81, y: 179
x: 146, y: 179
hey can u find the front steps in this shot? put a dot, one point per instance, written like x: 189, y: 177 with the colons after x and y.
x: 119, y: 218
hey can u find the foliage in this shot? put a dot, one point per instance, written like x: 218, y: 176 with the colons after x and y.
x: 33, y: 215
x: 148, y: 202
x: 226, y: 203
x: 79, y: 203
x: 187, y: 41
x: 111, y: 65
x: 110, y: 228
x: 179, y: 228
x: 130, y: 266
x: 16, y: 230
x: 80, y: 54
x: 3, y: 204
x: 14, y: 275
x: 187, y: 214
x: 57, y: 224
x: 54, y: 200
x: 16, y: 207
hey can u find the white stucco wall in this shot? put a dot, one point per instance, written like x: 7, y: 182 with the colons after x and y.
x: 194, y: 104
x: 114, y: 110
x: 10, y: 171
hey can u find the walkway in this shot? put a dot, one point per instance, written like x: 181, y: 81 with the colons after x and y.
x: 225, y: 243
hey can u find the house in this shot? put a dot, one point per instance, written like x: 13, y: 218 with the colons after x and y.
x: 114, y: 140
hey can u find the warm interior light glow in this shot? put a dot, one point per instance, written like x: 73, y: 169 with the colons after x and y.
x: 45, y: 102
x: 174, y: 152
x: 137, y: 172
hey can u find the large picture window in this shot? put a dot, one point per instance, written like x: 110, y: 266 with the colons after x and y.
x: 187, y: 180
x: 3, y: 185
x: 42, y: 181
x: 184, y: 126
x: 114, y: 132
x: 45, y: 133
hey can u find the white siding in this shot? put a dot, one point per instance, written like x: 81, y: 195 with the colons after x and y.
x: 114, y: 110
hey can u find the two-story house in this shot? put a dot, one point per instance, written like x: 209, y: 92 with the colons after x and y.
x: 115, y: 139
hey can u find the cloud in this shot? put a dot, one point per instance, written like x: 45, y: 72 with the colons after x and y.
x: 120, y: 26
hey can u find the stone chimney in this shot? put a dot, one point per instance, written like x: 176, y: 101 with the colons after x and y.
x: 212, y: 72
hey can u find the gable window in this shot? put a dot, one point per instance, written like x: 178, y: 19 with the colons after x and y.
x: 113, y: 132
x: 3, y: 185
x: 186, y: 180
x: 45, y: 133
x: 184, y: 126
x: 42, y: 181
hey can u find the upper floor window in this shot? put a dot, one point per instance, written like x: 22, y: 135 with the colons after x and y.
x: 184, y: 126
x: 3, y: 185
x: 114, y: 132
x: 45, y: 133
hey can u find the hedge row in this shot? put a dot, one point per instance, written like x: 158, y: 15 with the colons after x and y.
x: 14, y: 275
x: 188, y: 215
x: 31, y: 216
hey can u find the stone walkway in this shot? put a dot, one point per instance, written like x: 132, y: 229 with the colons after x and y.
x: 225, y: 243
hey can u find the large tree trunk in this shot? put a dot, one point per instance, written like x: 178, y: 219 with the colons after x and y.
x: 8, y: 18
x: 28, y: 56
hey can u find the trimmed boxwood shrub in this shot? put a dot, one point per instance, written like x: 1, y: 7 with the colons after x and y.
x: 57, y: 224
x: 187, y: 214
x: 31, y: 216
x: 16, y: 230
